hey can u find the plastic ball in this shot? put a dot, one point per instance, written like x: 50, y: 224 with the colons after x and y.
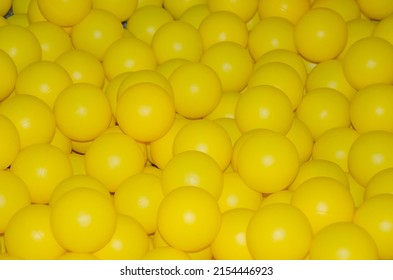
x: 196, y: 90
x: 367, y: 62
x: 65, y: 13
x: 29, y: 234
x: 192, y: 168
x: 369, y: 154
x: 83, y: 220
x: 343, y: 241
x: 113, y: 157
x: 82, y: 112
x: 231, y: 242
x: 145, y: 112
x: 320, y: 34
x: 375, y: 216
x: 324, y: 201
x: 189, y: 219
x: 139, y: 197
x: 32, y: 117
x: 264, y: 107
x: 267, y: 161
x: 41, y: 167
x: 279, y: 231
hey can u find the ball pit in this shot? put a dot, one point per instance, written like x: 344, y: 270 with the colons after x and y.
x: 203, y: 129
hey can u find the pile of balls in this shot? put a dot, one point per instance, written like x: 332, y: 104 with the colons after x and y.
x: 196, y: 129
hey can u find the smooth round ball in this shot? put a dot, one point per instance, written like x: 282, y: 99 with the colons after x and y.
x: 375, y: 216
x: 370, y: 154
x: 264, y: 107
x: 113, y: 157
x: 189, y: 219
x: 196, y: 90
x: 343, y: 241
x: 65, y: 13
x: 29, y: 234
x: 324, y: 201
x: 320, y: 34
x: 267, y: 161
x: 367, y: 62
x: 42, y: 167
x: 83, y: 220
x: 145, y: 112
x: 372, y: 108
x: 279, y: 231
x: 82, y: 112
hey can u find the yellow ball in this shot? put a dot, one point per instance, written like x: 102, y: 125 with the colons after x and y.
x: 372, y: 108
x: 29, y: 234
x: 113, y: 157
x: 231, y: 62
x: 334, y: 145
x: 43, y: 79
x: 97, y: 32
x: 367, y: 62
x: 32, y: 117
x: 375, y: 216
x: 207, y: 137
x: 261, y: 40
x: 189, y: 219
x: 53, y: 39
x: 83, y: 220
x: 231, y: 243
x: 281, y: 76
x: 196, y: 90
x: 82, y: 67
x: 267, y: 161
x: 145, y: 22
x: 330, y: 74
x: 264, y: 107
x: 177, y: 39
x: 20, y: 44
x: 65, y: 13
x: 279, y: 231
x: 145, y: 112
x: 343, y: 241
x: 128, y: 54
x: 139, y: 197
x: 129, y: 241
x: 192, y: 168
x: 323, y: 109
x: 324, y: 201
x: 82, y: 112
x: 42, y: 167
x: 76, y: 182
x: 369, y: 154
x: 318, y: 168
x: 320, y: 34
x: 377, y: 10
x: 380, y: 184
x: 223, y: 26
x: 236, y: 194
